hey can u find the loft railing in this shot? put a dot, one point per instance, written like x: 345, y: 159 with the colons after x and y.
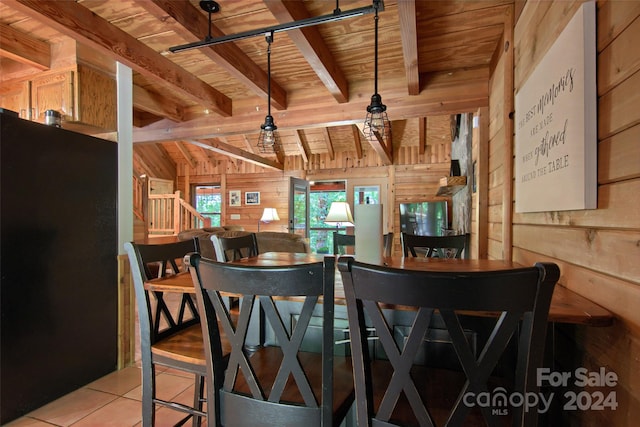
x: 168, y: 214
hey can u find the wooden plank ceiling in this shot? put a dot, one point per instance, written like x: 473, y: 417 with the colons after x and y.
x: 434, y: 59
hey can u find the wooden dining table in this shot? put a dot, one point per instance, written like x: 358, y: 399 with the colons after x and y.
x: 566, y: 306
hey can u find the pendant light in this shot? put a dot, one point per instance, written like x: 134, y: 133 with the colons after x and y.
x: 269, y: 139
x: 377, y: 124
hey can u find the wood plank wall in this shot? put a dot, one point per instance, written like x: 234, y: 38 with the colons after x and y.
x: 413, y: 177
x: 480, y: 179
x: 597, y: 250
x: 496, y: 162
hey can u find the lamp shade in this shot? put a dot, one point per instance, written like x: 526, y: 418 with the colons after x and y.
x: 339, y: 215
x: 270, y: 214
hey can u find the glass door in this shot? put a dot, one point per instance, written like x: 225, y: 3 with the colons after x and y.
x: 322, y: 196
x: 299, y: 207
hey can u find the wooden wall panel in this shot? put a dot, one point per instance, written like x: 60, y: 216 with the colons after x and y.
x: 616, y: 61
x: 618, y: 207
x: 496, y: 159
x: 618, y: 156
x: 619, y: 108
x: 613, y: 293
x: 480, y: 185
x: 598, y: 249
x: 613, y: 19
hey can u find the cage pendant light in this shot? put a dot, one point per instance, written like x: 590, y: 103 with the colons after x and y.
x: 269, y: 138
x: 377, y: 124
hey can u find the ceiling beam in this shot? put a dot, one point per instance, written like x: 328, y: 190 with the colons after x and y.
x: 24, y: 49
x: 156, y: 104
x: 76, y: 21
x: 143, y: 118
x: 422, y: 135
x: 280, y: 155
x: 446, y: 93
x: 383, y: 150
x: 303, y: 145
x: 235, y: 152
x: 192, y: 25
x: 312, y: 46
x: 187, y: 155
x: 409, y: 37
x: 357, y: 141
x: 329, y: 143
x: 247, y: 143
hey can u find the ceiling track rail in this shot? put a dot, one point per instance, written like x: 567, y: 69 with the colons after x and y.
x: 337, y: 15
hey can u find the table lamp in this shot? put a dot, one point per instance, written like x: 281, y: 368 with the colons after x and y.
x: 268, y: 215
x: 339, y: 215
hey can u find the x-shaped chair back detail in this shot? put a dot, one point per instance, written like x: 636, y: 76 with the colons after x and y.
x: 519, y: 298
x: 176, y: 342
x: 165, y: 257
x: 256, y: 389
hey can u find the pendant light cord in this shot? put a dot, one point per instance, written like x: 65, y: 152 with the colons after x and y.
x: 375, y: 76
x: 269, y: 38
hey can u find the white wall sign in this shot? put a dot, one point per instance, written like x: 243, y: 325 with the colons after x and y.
x: 556, y: 119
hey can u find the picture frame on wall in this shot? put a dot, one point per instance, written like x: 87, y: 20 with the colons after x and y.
x: 234, y: 198
x: 252, y: 198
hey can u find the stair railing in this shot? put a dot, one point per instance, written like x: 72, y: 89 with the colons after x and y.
x: 168, y: 214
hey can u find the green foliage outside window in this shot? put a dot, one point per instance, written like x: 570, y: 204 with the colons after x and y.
x: 321, y: 234
x: 210, y: 206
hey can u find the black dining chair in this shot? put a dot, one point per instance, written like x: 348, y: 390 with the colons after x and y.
x: 233, y: 248
x: 341, y: 242
x: 277, y: 384
x: 167, y: 338
x: 398, y: 391
x: 434, y: 246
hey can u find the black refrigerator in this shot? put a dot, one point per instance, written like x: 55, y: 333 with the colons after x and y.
x: 58, y: 263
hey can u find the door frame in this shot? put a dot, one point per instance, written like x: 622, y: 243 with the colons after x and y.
x: 295, y: 185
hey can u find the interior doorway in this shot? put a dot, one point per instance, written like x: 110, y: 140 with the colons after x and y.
x: 299, y: 207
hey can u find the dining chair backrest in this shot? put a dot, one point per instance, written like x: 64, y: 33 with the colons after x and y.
x: 342, y: 241
x: 434, y: 246
x: 149, y: 261
x: 518, y: 298
x: 233, y: 248
x: 273, y: 385
x: 169, y: 336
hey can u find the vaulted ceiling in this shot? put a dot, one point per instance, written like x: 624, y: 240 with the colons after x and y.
x: 434, y: 60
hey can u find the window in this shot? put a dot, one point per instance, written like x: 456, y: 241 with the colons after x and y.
x: 208, y: 201
x: 366, y: 195
x: 321, y: 195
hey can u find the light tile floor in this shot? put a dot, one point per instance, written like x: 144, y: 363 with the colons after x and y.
x: 113, y: 400
x: 116, y: 399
